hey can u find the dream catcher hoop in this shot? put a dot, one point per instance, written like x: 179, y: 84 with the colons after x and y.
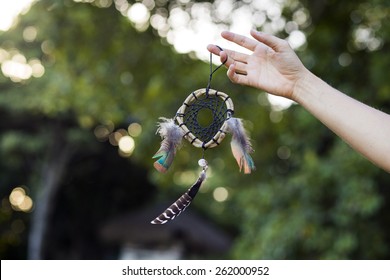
x: 204, y: 119
x: 205, y: 133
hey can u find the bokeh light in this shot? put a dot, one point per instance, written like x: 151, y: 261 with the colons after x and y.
x: 15, y: 66
x: 185, y: 178
x: 20, y: 201
x: 220, y: 194
x: 101, y: 132
x: 296, y: 39
x: 126, y: 145
x: 139, y: 15
x: 284, y: 152
x: 17, y: 196
x: 134, y: 129
x: 30, y: 34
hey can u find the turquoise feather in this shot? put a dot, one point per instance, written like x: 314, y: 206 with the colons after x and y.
x: 171, y: 135
x: 241, y: 145
x: 165, y: 156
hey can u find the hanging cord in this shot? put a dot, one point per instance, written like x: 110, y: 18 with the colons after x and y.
x: 207, y: 91
x: 213, y: 71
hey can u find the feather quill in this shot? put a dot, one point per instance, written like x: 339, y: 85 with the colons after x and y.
x: 171, y: 135
x: 182, y: 203
x: 241, y: 145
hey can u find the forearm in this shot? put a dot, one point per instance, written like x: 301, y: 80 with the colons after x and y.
x: 364, y: 128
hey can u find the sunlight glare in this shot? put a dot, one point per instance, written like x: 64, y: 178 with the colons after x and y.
x: 17, y: 68
x: 16, y: 71
x: 296, y: 39
x: 126, y: 145
x: 9, y: 10
x: 279, y: 103
x: 139, y: 15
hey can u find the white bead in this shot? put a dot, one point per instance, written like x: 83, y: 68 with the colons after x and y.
x: 202, y: 162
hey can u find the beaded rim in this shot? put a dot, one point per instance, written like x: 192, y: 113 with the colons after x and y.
x: 220, y: 135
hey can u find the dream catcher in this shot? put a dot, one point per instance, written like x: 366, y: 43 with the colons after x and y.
x: 204, y: 119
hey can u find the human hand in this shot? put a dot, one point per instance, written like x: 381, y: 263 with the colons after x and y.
x: 273, y: 66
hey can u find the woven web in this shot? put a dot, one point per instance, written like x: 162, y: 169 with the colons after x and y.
x: 205, y: 116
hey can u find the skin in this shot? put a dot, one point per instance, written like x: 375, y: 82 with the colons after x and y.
x: 274, y: 67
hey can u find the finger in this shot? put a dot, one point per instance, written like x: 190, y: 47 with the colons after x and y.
x: 237, y: 56
x: 240, y: 68
x: 236, y: 77
x: 271, y: 41
x: 213, y: 49
x: 224, y: 58
x: 240, y: 40
x: 229, y: 60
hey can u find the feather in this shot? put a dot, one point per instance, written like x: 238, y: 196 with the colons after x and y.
x: 171, y: 135
x: 182, y: 203
x: 241, y: 145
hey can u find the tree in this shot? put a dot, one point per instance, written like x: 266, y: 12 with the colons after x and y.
x: 329, y: 202
x: 311, y: 195
x: 90, y: 78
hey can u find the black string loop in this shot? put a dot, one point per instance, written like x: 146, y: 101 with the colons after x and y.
x: 213, y: 71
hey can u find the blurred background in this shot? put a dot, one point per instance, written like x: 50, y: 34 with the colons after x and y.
x: 83, y: 83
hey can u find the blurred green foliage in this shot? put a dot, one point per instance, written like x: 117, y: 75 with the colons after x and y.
x: 311, y: 197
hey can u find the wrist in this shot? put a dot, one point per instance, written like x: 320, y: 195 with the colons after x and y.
x: 304, y: 87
